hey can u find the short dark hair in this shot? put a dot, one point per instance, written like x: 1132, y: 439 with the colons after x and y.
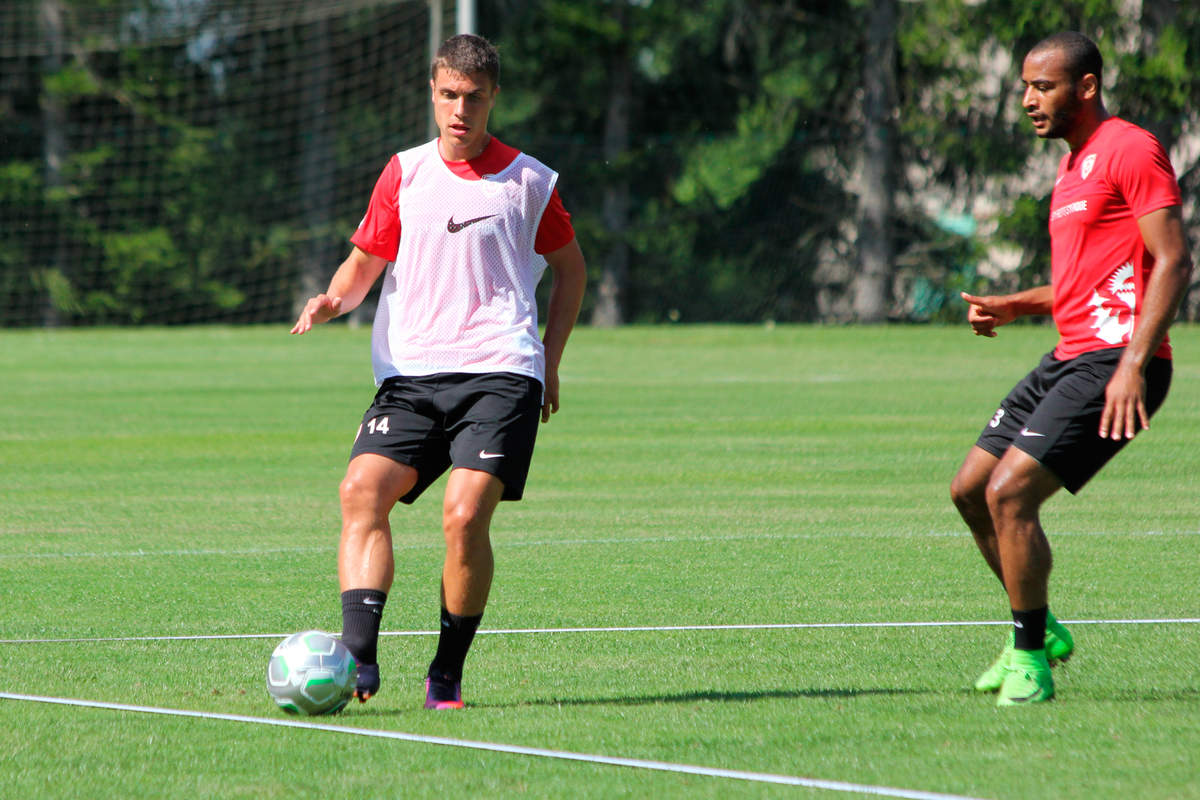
x: 467, y: 54
x: 1082, y: 54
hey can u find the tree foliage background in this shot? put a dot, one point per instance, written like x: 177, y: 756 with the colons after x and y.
x: 174, y: 161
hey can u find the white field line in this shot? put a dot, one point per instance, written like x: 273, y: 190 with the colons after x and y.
x: 626, y: 629
x: 501, y: 544
x: 537, y: 752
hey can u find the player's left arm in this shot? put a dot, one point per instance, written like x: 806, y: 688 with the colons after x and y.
x: 566, y: 296
x: 1125, y: 397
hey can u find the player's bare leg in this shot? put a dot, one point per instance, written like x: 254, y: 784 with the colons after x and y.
x: 1015, y: 494
x: 471, y: 500
x: 372, y: 486
x: 969, y: 492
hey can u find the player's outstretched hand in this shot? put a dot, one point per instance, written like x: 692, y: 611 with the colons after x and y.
x: 321, y: 308
x: 985, y: 314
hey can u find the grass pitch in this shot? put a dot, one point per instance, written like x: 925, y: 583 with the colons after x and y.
x: 182, y: 483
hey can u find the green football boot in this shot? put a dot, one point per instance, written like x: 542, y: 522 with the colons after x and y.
x: 1059, y: 642
x: 1027, y: 680
x: 993, y: 676
x: 1059, y: 647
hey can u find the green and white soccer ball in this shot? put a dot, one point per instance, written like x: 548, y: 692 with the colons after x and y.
x: 311, y: 673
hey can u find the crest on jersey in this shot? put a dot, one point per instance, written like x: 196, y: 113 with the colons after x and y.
x: 1113, y: 304
x: 1088, y: 164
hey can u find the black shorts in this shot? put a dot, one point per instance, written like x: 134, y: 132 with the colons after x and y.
x: 1054, y: 413
x: 486, y: 422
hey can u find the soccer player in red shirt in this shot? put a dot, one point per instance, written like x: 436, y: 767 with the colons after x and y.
x: 1119, y: 269
x: 461, y: 229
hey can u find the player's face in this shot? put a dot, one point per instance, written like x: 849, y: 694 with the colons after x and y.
x: 1052, y: 101
x: 461, y: 105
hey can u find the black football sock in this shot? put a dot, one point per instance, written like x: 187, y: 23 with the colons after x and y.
x: 1029, y: 629
x: 362, y: 610
x: 367, y: 683
x: 453, y: 643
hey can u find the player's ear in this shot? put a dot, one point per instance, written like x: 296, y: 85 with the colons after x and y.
x: 1089, y: 87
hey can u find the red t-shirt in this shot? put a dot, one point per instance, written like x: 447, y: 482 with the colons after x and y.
x: 1098, y: 262
x: 379, y: 232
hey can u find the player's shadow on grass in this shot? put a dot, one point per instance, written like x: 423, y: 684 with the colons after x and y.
x: 718, y: 697
x: 1135, y: 697
x: 646, y: 700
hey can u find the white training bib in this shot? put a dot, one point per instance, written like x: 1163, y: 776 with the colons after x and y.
x: 460, y: 295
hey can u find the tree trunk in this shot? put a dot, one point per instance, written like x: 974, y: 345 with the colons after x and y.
x: 54, y: 149
x: 614, y: 277
x: 318, y: 256
x: 871, y: 287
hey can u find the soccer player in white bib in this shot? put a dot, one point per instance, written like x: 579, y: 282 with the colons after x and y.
x: 461, y: 229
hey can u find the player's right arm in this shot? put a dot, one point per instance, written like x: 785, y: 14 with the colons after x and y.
x: 986, y: 313
x: 1125, y: 411
x: 379, y: 232
x: 347, y: 289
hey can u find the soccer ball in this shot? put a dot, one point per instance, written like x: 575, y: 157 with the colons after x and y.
x: 311, y: 673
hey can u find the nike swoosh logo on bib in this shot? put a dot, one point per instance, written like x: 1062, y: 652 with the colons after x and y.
x: 455, y: 227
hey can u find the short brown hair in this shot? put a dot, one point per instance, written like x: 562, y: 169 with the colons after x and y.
x: 1082, y: 55
x: 467, y: 54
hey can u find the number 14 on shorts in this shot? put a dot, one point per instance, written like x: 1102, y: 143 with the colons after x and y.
x: 375, y: 425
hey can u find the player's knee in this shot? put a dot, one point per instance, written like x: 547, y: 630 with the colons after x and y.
x: 349, y: 490
x: 357, y: 494
x: 1006, y: 497
x: 460, y: 522
x: 969, y: 497
x: 959, y: 494
x: 465, y: 530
